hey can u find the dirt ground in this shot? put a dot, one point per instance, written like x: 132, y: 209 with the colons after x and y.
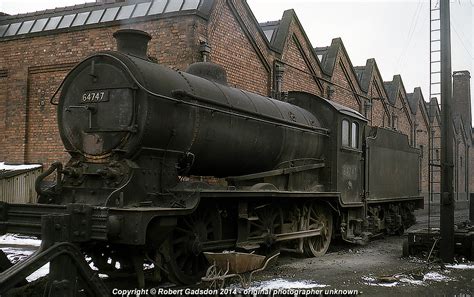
x: 377, y: 269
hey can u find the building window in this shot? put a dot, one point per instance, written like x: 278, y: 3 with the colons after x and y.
x: 345, y: 133
x: 394, y: 121
x: 421, y: 151
x: 355, y: 135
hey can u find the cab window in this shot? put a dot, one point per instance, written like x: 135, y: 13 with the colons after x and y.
x: 345, y: 133
x: 355, y: 135
x: 350, y: 134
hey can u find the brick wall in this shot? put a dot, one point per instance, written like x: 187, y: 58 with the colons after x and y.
x: 3, y: 115
x: 422, y: 142
x: 462, y: 109
x: 42, y: 140
x: 302, y: 67
x: 460, y: 169
x: 297, y: 76
x: 232, y: 49
x: 37, y: 65
x: 401, y: 111
x: 436, y: 155
x: 342, y: 75
x: 379, y: 116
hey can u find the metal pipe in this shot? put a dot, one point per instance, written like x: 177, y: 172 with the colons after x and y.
x: 447, y: 192
x: 471, y: 208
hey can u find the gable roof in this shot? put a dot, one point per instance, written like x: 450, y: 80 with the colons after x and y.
x: 392, y: 88
x: 413, y: 99
x: 96, y: 14
x: 281, y: 30
x: 433, y: 109
x: 364, y: 73
x: 269, y: 29
x: 359, y: 70
x: 329, y: 56
x: 321, y: 52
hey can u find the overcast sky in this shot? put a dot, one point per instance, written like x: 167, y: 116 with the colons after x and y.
x: 394, y: 32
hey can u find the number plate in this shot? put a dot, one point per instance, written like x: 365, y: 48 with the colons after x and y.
x: 95, y: 96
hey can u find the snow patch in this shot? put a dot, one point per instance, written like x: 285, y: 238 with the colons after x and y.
x: 371, y: 281
x: 461, y: 266
x: 15, y: 254
x: 4, y: 166
x: 15, y: 239
x: 403, y: 279
x: 411, y: 281
x: 437, y: 277
x: 44, y: 270
x: 280, y: 283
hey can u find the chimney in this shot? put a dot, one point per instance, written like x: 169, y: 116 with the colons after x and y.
x: 132, y: 42
x: 462, y: 97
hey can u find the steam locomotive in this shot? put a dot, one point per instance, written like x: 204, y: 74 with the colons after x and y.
x: 166, y: 165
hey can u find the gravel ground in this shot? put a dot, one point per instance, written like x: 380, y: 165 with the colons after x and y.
x: 375, y: 269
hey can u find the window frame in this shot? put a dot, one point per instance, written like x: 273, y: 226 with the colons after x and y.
x: 356, y: 139
x: 348, y: 138
x: 350, y: 126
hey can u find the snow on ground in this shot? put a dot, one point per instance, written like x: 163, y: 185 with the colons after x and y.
x: 469, y: 265
x: 15, y: 239
x: 16, y: 254
x: 279, y: 283
x: 17, y: 248
x: 371, y: 281
x: 4, y: 166
x: 403, y: 279
x: 437, y: 277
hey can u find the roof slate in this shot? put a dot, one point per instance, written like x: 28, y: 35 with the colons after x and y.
x: 391, y: 88
x: 270, y: 29
x: 84, y: 15
x: 413, y: 99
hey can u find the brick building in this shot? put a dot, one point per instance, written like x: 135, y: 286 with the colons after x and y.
x: 345, y: 87
x: 421, y: 134
x: 372, y: 84
x: 38, y: 49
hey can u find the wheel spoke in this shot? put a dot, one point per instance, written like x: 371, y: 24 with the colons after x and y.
x: 184, y: 265
x: 317, y: 217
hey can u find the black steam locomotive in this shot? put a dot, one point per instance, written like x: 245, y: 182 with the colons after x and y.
x: 168, y: 164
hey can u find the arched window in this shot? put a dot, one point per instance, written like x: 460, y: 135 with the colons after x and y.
x: 345, y: 133
x: 355, y: 135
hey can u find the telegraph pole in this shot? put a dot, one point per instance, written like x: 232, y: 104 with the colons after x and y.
x: 447, y: 134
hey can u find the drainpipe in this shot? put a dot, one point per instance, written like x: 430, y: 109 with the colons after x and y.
x: 279, y: 70
x: 205, y: 50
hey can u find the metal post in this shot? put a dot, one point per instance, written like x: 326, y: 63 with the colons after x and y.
x: 447, y: 193
x: 471, y: 208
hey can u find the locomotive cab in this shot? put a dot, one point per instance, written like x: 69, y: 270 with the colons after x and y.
x: 343, y: 152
